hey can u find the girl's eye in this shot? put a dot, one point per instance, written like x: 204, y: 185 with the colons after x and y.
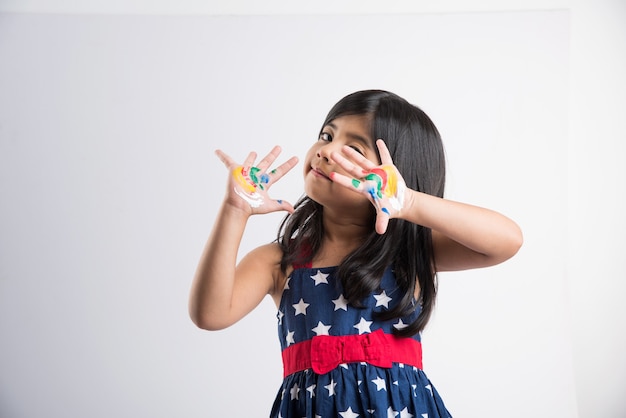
x: 357, y: 149
x: 325, y: 136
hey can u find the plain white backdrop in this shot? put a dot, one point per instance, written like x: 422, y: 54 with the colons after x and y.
x: 109, y: 189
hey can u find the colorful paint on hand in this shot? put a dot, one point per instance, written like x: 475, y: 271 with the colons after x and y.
x: 382, y: 182
x: 248, y: 182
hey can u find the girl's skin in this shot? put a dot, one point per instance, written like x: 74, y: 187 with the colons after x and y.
x: 464, y: 236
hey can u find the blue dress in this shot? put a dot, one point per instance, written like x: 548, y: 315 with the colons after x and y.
x: 312, y: 304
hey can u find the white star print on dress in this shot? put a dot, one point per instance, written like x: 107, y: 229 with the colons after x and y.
x: 300, y: 307
x: 321, y: 329
x: 320, y: 278
x: 363, y: 326
x: 383, y: 299
x: 348, y: 413
x: 380, y: 384
x: 400, y: 325
x: 391, y: 413
x: 331, y: 387
x: 405, y: 413
x: 295, y: 392
x: 341, y: 303
x: 289, y: 339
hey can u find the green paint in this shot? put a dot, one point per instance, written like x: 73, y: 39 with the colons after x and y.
x: 379, y: 183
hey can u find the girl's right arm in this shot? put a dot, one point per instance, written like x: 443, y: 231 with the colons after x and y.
x: 222, y: 291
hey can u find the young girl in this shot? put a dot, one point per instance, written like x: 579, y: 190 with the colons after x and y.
x: 353, y: 271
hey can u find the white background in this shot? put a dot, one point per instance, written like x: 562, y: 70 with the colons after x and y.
x: 110, y: 112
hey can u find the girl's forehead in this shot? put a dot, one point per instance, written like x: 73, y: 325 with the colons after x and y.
x: 356, y: 125
x: 363, y: 121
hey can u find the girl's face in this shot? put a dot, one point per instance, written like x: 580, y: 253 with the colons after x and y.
x: 352, y: 131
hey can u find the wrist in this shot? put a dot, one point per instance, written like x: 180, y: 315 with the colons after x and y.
x: 411, y: 205
x: 236, y: 210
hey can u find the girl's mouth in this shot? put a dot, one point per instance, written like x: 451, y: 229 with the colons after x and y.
x: 319, y: 173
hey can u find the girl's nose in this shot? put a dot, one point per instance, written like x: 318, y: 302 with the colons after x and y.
x: 324, y: 152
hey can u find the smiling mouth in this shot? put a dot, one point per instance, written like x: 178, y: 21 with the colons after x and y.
x: 319, y: 173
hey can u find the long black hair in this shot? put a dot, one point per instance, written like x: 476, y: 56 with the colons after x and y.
x: 417, y: 151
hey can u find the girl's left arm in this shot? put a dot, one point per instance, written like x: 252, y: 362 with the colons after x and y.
x: 464, y: 236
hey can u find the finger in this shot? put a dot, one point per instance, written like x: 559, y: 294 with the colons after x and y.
x: 358, y: 158
x: 283, y: 169
x: 382, y: 221
x: 275, y: 206
x: 269, y: 158
x: 228, y: 162
x: 348, y: 182
x: 385, y: 156
x: 284, y: 205
x: 249, y: 162
x: 352, y: 166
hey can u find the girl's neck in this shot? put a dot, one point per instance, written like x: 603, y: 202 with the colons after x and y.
x: 342, y: 235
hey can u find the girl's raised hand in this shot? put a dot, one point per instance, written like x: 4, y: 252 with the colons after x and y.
x: 248, y: 185
x: 382, y: 184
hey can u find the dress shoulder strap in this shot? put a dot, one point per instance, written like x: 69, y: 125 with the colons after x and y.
x: 303, y: 253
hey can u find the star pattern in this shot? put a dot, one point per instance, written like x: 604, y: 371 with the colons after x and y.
x: 289, y: 338
x: 391, y: 413
x: 300, y: 307
x: 320, y: 278
x: 341, y: 303
x: 313, y: 304
x: 295, y: 392
x: 405, y: 413
x: 363, y: 326
x: 321, y: 329
x: 383, y: 299
x: 400, y: 325
x: 348, y: 413
x: 380, y: 383
x: 331, y: 387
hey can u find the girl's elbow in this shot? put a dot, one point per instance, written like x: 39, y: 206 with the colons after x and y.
x: 206, y: 322
x: 514, y: 242
x: 518, y: 240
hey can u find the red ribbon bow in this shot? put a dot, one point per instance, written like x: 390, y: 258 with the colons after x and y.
x: 324, y: 353
x: 329, y: 352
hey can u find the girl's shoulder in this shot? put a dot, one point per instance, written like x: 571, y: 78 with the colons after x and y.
x: 266, y: 260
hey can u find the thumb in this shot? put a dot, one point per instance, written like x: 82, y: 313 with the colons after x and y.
x: 284, y: 205
x: 382, y: 221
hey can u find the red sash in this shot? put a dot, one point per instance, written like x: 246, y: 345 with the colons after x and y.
x: 323, y: 353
